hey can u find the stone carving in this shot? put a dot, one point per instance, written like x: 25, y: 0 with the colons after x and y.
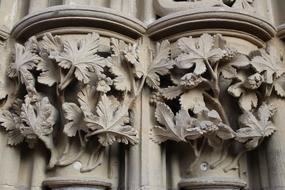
x: 165, y: 7
x: 103, y: 83
x: 204, y: 69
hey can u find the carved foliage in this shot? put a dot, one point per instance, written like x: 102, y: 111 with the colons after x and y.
x: 196, y: 82
x: 96, y: 114
x: 105, y: 84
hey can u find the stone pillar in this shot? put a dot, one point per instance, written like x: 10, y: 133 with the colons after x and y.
x: 206, y: 165
x: 275, y: 152
x: 37, y: 5
x: 79, y: 188
x: 11, y: 11
x: 116, y: 4
x: 147, y: 14
x: 76, y: 2
x: 81, y: 161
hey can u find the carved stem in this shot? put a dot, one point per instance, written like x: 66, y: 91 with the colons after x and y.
x: 234, y: 164
x: 130, y: 72
x: 90, y: 165
x: 141, y: 86
x: 219, y: 107
x: 216, y: 87
x: 197, y: 153
x: 67, y: 79
x: 214, y: 82
x: 48, y: 141
x: 223, y: 155
x: 210, y: 69
x: 66, y: 162
x: 268, y: 91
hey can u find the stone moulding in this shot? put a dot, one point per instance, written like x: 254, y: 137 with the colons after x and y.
x: 56, y: 182
x: 165, y: 7
x: 4, y: 35
x: 212, y: 183
x: 214, y: 18
x: 76, y: 16
x: 281, y: 31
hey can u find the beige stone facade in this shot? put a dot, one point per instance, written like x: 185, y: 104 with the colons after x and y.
x: 142, y: 94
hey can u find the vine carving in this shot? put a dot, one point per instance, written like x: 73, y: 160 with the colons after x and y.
x: 95, y: 91
x: 205, y: 69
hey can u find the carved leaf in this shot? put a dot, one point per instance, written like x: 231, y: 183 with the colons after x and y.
x: 136, y: 56
x: 133, y: 55
x: 190, y: 80
x: 236, y: 89
x: 191, y: 130
x: 25, y: 61
x: 119, y: 68
x: 75, y: 118
x: 194, y: 100
x: 87, y: 99
x: 268, y: 65
x: 11, y: 122
x: 122, y: 81
x: 196, y: 51
x: 229, y: 71
x: 255, y: 127
x: 160, y: 65
x: 279, y: 86
x: 225, y: 132
x: 183, y: 127
x: 165, y: 117
x: 38, y: 119
x: 176, y: 128
x: 211, y: 124
x: 171, y: 92
x: 3, y: 90
x: 50, y: 72
x: 111, y: 122
x: 248, y: 100
x: 119, y: 47
x: 82, y: 54
x: 243, y: 4
x: 53, y: 45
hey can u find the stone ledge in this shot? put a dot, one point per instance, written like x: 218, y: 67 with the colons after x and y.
x: 212, y: 19
x: 54, y: 182
x: 214, y: 183
x: 77, y: 16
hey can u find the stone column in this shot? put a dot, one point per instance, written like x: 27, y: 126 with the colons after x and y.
x: 36, y: 5
x: 147, y: 14
x: 76, y: 2
x: 204, y: 163
x: 129, y: 8
x: 116, y: 4
x: 11, y: 11
x: 78, y: 188
x: 275, y: 152
x: 81, y: 161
